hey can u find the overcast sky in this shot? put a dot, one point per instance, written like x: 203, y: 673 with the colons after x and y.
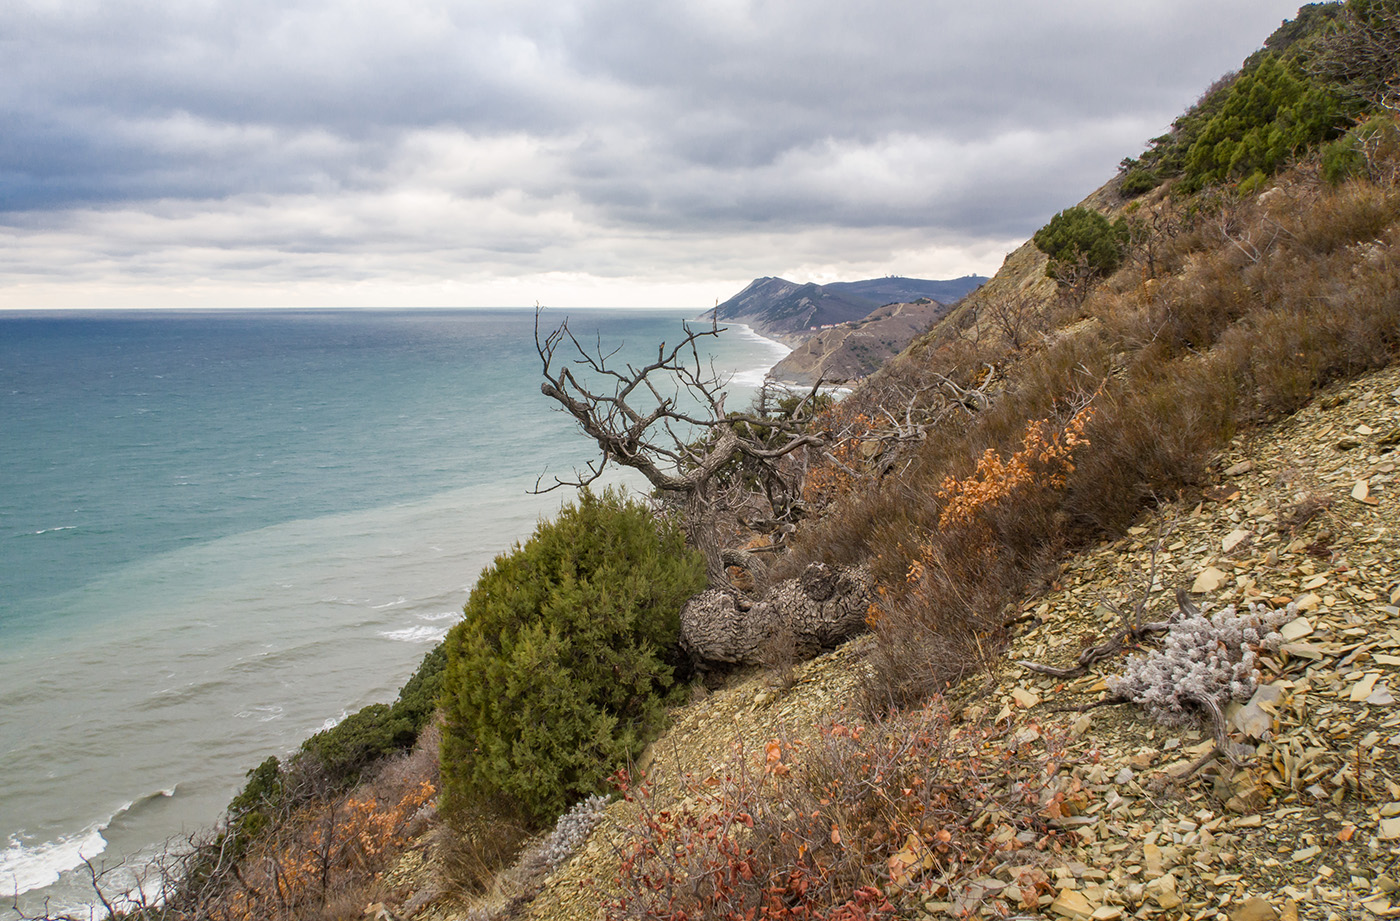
x: 169, y: 153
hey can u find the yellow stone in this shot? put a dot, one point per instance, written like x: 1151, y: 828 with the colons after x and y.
x: 1152, y: 858
x: 1362, y: 689
x: 1163, y: 891
x: 1209, y: 580
x: 1254, y: 909
x: 1073, y: 904
x: 1308, y: 602
x: 1234, y: 539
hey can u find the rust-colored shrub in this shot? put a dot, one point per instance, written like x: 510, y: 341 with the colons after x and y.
x: 864, y: 821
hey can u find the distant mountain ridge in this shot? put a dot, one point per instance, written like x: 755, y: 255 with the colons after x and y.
x: 792, y: 313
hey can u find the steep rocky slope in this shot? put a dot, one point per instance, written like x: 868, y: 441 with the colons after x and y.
x: 1309, y: 827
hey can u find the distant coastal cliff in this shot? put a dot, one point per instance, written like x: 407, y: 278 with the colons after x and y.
x: 843, y: 331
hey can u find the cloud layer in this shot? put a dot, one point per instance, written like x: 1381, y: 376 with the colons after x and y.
x: 496, y: 152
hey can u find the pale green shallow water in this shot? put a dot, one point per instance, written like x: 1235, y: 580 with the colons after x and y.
x: 220, y: 532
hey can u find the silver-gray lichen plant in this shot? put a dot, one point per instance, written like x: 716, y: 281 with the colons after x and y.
x: 1204, y: 663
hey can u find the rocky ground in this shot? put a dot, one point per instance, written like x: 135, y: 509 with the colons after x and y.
x: 1303, y: 512
x: 1306, y: 512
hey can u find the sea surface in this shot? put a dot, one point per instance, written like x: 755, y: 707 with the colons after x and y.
x: 223, y: 531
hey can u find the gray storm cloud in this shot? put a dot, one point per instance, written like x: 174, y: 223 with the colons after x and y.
x: 279, y: 142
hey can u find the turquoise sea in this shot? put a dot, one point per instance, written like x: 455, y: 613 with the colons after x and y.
x: 223, y: 531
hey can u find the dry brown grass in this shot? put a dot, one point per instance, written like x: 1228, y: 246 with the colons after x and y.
x: 1266, y: 302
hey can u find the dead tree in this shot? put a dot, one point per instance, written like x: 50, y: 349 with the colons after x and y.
x: 667, y: 419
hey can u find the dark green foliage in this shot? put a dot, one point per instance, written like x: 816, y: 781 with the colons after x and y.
x: 557, y: 674
x: 1312, y: 20
x: 1284, y: 101
x: 250, y: 811
x: 1342, y: 159
x: 1137, y: 181
x: 346, y: 749
x: 1273, y: 112
x: 341, y: 754
x: 1077, y: 234
x: 418, y: 698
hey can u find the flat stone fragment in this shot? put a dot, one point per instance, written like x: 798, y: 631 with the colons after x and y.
x: 1363, y: 688
x: 1162, y: 890
x: 1253, y: 721
x: 1152, y: 857
x: 1361, y: 491
x: 1390, y: 829
x: 1210, y: 580
x: 1381, y: 697
x: 1241, y: 468
x: 1107, y: 913
x: 1072, y: 904
x: 1234, y: 539
x: 1254, y: 909
x: 1024, y: 698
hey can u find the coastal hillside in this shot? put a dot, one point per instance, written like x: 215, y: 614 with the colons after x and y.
x: 1130, y: 821
x: 790, y: 312
x: 850, y: 351
x: 1118, y: 532
x: 1127, y: 511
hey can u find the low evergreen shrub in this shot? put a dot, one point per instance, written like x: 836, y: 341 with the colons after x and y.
x: 558, y: 674
x: 340, y: 755
x: 1077, y: 234
x: 335, y: 759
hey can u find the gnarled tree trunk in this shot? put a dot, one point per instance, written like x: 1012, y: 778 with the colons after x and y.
x: 816, y: 611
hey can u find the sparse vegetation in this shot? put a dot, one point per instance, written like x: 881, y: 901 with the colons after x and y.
x: 1023, y: 427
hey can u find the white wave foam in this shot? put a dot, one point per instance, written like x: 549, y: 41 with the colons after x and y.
x: 25, y: 867
x: 66, y: 527
x: 754, y: 377
x: 389, y: 604
x: 745, y: 331
x: 421, y: 634
x: 265, y: 714
x: 332, y: 722
x: 445, y: 615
